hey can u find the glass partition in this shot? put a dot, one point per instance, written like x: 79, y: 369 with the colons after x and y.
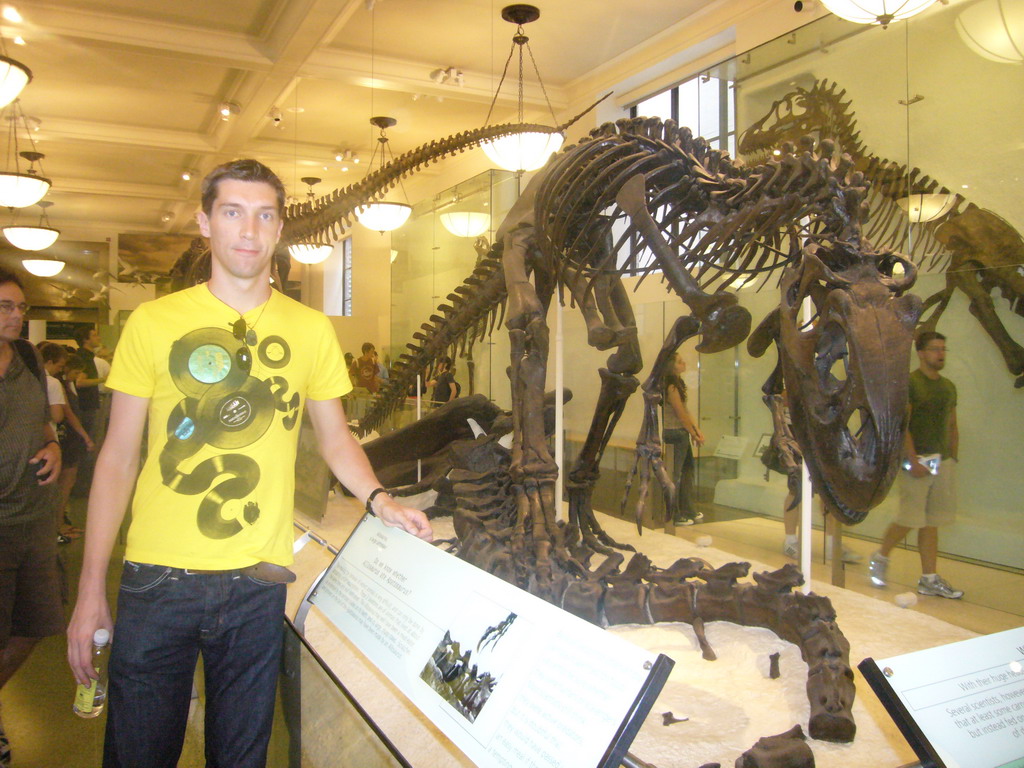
x: 928, y: 121
x: 435, y: 251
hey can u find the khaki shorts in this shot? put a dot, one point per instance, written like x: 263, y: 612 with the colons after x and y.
x: 30, y: 585
x: 930, y: 500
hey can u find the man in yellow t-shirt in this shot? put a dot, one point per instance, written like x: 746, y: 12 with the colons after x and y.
x: 222, y: 373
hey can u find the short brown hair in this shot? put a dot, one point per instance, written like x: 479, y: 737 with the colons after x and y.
x: 245, y: 169
x: 52, y: 352
x: 923, y: 339
x: 7, y: 276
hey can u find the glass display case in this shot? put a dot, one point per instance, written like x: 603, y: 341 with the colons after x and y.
x: 927, y: 119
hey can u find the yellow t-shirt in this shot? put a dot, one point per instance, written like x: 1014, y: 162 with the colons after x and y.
x: 216, y: 489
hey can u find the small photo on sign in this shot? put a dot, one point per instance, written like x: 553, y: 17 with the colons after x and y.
x: 468, y: 662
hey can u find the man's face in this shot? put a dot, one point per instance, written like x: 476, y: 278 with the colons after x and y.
x: 933, y: 356
x: 10, y: 322
x: 243, y: 227
x: 92, y: 341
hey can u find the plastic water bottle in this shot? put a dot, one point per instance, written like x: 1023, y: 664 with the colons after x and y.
x: 89, y: 699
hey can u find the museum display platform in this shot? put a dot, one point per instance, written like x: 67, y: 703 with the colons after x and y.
x: 729, y: 703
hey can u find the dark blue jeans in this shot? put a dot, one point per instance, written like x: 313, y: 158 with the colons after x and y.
x: 166, y: 617
x: 682, y: 472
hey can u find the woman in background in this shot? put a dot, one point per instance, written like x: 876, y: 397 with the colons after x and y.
x: 679, y: 428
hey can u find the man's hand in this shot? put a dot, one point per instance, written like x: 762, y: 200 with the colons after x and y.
x: 408, y: 519
x: 49, y: 458
x: 90, y: 614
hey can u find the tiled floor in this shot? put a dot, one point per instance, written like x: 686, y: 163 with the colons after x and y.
x: 36, y: 704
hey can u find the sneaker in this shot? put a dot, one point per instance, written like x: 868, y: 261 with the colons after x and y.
x: 791, y: 550
x: 683, y: 521
x: 938, y: 587
x: 698, y: 516
x: 878, y: 566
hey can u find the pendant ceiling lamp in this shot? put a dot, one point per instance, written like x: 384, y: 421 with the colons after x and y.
x: 36, y: 239
x: 466, y: 223
x: 882, y: 12
x: 522, y: 151
x: 33, y: 238
x: 383, y: 216
x: 14, y: 76
x: 926, y: 207
x: 380, y: 215
x: 18, y: 189
x: 310, y: 253
x: 994, y: 29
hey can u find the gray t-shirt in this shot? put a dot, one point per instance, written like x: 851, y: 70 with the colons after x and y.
x: 23, y: 416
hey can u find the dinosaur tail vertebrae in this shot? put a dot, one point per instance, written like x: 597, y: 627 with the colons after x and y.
x: 688, y: 591
x: 471, y: 313
x: 326, y: 219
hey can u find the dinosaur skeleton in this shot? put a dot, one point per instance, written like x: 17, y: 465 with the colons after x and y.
x: 980, y: 251
x: 649, y: 188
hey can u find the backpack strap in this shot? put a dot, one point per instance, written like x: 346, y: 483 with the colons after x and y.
x: 30, y: 356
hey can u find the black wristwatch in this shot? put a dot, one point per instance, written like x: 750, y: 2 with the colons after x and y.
x: 370, y: 498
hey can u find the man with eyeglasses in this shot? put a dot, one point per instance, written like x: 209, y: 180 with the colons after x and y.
x: 222, y: 371
x: 927, y: 484
x: 30, y: 603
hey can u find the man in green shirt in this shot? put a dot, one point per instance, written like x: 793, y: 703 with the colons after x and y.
x: 928, y: 482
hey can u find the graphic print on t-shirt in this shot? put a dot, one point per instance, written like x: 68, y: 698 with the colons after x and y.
x: 224, y: 406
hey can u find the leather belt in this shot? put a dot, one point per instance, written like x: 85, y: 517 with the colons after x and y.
x: 276, y: 574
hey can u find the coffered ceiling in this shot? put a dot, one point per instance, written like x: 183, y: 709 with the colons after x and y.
x: 126, y: 91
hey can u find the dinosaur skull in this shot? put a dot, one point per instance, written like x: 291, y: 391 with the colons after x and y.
x: 847, y: 370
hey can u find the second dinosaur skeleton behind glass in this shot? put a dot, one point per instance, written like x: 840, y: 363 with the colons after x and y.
x: 979, y: 250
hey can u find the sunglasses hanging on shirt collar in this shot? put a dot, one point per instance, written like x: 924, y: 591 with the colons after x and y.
x: 246, y: 335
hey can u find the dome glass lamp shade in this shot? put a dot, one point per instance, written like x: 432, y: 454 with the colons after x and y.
x: 994, y: 29
x: 882, y: 12
x: 383, y: 215
x: 43, y: 267
x: 522, y: 151
x: 525, y: 151
x: 466, y: 223
x: 309, y: 253
x: 20, y: 190
x: 14, y: 76
x: 922, y: 208
x: 34, y: 238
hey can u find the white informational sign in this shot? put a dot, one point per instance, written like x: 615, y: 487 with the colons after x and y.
x: 731, y: 447
x: 509, y: 678
x: 966, y: 699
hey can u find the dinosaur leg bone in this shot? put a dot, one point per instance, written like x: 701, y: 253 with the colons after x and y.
x: 533, y: 469
x: 612, y: 310
x: 648, y: 444
x: 723, y: 322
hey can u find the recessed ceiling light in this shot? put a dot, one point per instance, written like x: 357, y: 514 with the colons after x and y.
x: 19, y: 40
x: 11, y: 14
x: 186, y: 175
x: 228, y: 109
x: 296, y: 110
x: 166, y: 217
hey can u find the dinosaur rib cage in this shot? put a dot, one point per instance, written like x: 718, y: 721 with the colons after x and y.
x: 821, y: 111
x: 721, y: 218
